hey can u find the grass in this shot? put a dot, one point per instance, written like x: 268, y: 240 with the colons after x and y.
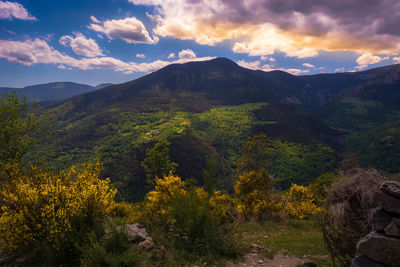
x: 292, y: 237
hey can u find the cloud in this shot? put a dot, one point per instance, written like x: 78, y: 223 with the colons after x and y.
x: 140, y: 55
x: 367, y: 59
x: 81, y: 45
x: 308, y: 65
x: 9, y: 10
x: 256, y: 65
x: 94, y: 19
x: 339, y: 70
x: 131, y: 30
x: 37, y: 51
x: 266, y: 58
x: 172, y: 55
x: 297, y: 28
x: 396, y: 59
x: 186, y: 54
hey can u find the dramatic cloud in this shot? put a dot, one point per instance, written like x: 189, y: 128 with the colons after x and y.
x: 256, y: 65
x: 81, y: 45
x: 367, y: 59
x: 308, y: 65
x: 296, y: 28
x: 37, y: 51
x: 131, y: 30
x: 140, y: 55
x: 9, y: 10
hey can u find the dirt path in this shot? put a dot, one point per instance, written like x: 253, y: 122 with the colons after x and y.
x: 253, y: 259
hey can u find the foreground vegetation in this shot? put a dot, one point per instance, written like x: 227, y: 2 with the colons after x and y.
x: 75, y: 216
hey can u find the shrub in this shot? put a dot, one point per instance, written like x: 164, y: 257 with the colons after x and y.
x: 199, y: 228
x: 345, y: 221
x: 40, y: 208
x: 190, y: 220
x: 254, y: 191
x: 299, y: 202
x: 113, y: 250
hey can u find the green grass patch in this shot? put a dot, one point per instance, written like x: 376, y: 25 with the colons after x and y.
x: 292, y: 237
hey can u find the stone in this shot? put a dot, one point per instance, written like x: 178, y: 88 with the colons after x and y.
x: 391, y: 188
x: 387, y: 202
x: 380, y: 248
x: 135, y: 234
x: 379, y: 219
x: 364, y: 261
x: 147, y: 244
x: 393, y: 229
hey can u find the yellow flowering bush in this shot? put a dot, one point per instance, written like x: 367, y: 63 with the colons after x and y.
x: 299, y: 202
x: 156, y: 207
x: 254, y: 190
x: 47, y: 208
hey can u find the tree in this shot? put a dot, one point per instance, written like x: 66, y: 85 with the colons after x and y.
x: 21, y: 126
x: 256, y: 154
x: 157, y: 163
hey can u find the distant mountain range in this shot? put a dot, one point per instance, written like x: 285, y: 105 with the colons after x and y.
x: 53, y: 91
x: 211, y: 107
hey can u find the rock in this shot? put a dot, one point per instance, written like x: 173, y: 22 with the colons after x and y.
x: 135, y: 234
x: 379, y: 219
x: 391, y: 188
x: 393, y: 229
x: 387, y: 202
x: 147, y: 244
x: 266, y: 237
x: 380, y: 248
x: 260, y: 262
x: 364, y: 261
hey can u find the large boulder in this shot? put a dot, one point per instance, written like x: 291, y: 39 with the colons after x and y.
x: 387, y: 202
x: 135, y: 233
x: 379, y: 219
x: 364, y: 261
x: 391, y: 188
x: 380, y: 248
x: 393, y: 229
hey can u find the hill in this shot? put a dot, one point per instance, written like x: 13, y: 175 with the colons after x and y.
x: 51, y: 91
x: 208, y: 109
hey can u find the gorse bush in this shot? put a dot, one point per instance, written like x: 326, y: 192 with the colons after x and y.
x: 189, y: 219
x: 53, y: 210
x: 299, y: 202
x: 198, y: 228
x: 254, y: 190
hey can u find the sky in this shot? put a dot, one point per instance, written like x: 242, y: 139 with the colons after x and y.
x: 114, y: 41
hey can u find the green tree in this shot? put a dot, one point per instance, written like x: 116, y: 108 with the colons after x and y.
x: 157, y: 163
x: 21, y: 126
x: 256, y: 154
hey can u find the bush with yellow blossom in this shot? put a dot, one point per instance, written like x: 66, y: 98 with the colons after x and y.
x: 254, y: 191
x: 54, y: 210
x: 299, y: 202
x: 189, y: 218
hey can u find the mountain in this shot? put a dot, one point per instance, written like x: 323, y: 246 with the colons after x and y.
x: 208, y: 109
x: 102, y: 85
x: 51, y: 91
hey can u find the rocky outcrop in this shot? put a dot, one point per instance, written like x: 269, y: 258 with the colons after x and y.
x: 135, y: 233
x: 381, y: 247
